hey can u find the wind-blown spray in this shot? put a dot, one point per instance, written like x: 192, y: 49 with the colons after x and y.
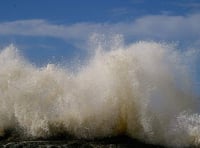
x: 142, y: 90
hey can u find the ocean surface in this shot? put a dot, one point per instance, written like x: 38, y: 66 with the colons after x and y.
x: 143, y: 90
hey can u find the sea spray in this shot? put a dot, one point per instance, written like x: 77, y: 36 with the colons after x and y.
x: 142, y: 90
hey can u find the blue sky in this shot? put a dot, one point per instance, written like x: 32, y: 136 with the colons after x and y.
x: 56, y: 30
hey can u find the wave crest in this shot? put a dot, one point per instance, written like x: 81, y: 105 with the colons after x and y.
x: 142, y: 90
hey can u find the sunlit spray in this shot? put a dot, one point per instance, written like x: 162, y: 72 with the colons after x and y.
x: 142, y: 90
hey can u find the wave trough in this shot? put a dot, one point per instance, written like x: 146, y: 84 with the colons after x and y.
x: 143, y: 90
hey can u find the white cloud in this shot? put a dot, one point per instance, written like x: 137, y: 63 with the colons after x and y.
x: 168, y: 27
x: 155, y: 27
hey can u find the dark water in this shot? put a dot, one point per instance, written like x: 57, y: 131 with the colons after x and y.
x: 13, y: 139
x: 113, y: 142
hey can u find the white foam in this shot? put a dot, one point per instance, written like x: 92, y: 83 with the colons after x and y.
x: 142, y: 90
